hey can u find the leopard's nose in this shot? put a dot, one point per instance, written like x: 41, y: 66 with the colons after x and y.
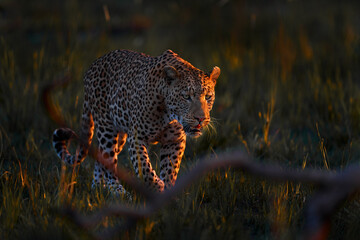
x: 200, y: 119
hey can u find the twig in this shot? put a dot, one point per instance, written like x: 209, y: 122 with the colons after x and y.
x: 48, y: 103
x: 319, y: 210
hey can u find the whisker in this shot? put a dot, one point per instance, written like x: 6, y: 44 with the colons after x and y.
x: 210, y: 129
x: 214, y: 120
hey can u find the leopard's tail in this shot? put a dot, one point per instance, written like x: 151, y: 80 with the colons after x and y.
x: 62, y: 136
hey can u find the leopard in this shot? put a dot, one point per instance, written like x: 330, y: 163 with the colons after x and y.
x: 142, y: 100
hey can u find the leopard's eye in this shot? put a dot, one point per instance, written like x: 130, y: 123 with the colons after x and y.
x: 208, y: 97
x: 186, y: 96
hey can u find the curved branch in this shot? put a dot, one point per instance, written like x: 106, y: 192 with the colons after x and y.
x: 319, y: 210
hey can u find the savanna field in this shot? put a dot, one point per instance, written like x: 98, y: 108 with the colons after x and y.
x: 288, y: 94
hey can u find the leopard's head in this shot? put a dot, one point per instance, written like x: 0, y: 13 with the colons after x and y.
x: 190, y: 94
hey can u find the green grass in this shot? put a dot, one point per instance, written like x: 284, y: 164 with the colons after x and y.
x: 288, y: 94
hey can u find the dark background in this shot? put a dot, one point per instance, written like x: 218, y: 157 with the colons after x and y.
x: 288, y: 94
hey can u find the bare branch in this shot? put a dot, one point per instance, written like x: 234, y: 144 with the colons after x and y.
x: 48, y: 103
x: 319, y: 210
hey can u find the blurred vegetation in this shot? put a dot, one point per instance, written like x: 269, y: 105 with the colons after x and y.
x: 289, y: 93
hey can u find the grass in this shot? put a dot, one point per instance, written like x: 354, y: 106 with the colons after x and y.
x: 289, y: 94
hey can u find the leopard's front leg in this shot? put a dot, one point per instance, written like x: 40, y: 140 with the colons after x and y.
x: 173, y: 143
x: 142, y: 165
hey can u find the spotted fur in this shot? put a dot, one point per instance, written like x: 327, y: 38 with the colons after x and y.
x: 144, y: 100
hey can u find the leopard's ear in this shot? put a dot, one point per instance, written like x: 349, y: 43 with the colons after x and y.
x: 171, y: 73
x: 169, y: 52
x: 214, y: 75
